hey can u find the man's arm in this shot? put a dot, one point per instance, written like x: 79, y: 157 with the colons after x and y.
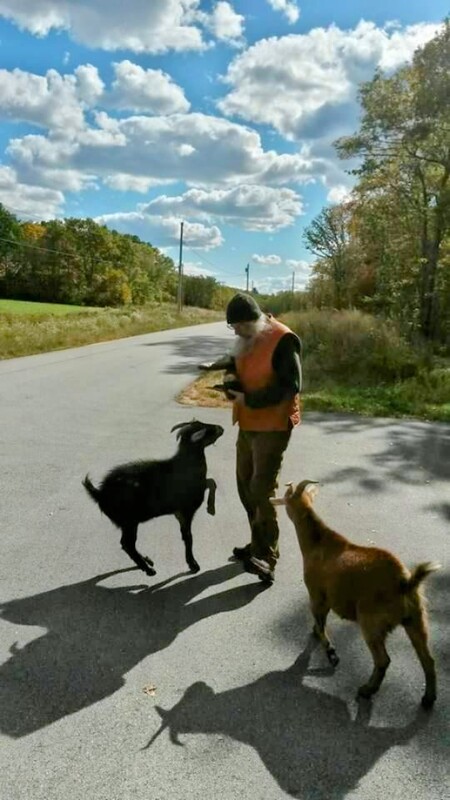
x: 225, y: 362
x: 288, y: 371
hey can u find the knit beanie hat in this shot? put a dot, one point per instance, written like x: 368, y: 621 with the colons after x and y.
x: 242, y: 308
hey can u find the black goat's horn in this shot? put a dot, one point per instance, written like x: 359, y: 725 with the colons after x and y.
x: 181, y: 425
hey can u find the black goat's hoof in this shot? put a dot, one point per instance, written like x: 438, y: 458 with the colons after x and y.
x: 211, y: 510
x: 194, y: 567
x: 148, y: 560
x: 365, y: 692
x: 428, y: 702
x: 150, y: 571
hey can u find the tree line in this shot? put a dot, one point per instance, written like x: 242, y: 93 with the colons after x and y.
x: 79, y: 262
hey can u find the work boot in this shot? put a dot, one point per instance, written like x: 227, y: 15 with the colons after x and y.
x: 260, y: 568
x: 242, y: 553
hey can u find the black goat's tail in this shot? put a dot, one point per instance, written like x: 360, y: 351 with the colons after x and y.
x: 91, y: 489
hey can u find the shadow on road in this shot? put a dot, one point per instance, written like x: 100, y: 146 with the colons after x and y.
x: 95, y: 636
x: 410, y: 452
x: 192, y: 350
x: 306, y: 738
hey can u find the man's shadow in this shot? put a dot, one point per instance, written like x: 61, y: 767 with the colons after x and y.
x: 306, y: 738
x: 95, y: 636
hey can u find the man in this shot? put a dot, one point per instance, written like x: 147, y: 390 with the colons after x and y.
x: 266, y: 364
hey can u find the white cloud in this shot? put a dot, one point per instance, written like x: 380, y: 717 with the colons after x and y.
x: 151, y: 26
x: 148, y: 90
x: 163, y: 231
x: 301, y: 266
x: 197, y: 270
x: 31, y: 202
x: 338, y: 194
x: 305, y: 85
x: 50, y: 101
x: 131, y: 183
x: 256, y: 208
x: 198, y: 149
x: 225, y: 23
x: 89, y: 85
x: 268, y: 261
x: 287, y: 7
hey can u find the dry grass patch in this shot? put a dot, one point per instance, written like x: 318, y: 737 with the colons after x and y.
x: 200, y: 393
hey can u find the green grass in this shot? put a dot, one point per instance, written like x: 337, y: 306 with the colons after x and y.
x: 24, y: 307
x: 383, y: 401
x: 24, y: 334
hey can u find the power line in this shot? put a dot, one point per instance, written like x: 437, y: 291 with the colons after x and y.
x: 36, y: 247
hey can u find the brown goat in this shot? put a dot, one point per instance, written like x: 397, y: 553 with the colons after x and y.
x: 364, y: 584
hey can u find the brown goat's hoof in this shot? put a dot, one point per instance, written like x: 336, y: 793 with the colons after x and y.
x: 333, y: 657
x: 428, y: 702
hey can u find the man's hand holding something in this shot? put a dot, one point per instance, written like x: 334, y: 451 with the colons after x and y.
x: 238, y: 397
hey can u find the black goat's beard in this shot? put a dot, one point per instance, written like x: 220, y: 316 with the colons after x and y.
x: 245, y: 344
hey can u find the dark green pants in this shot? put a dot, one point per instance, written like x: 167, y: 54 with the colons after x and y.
x: 258, y: 461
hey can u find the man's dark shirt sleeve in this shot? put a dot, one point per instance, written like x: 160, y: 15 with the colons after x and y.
x: 286, y: 364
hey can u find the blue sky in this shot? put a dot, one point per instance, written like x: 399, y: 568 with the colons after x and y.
x: 220, y: 113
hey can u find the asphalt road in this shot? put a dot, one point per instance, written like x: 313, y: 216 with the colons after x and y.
x: 115, y: 686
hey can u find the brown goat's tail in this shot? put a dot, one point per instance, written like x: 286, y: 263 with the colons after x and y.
x: 419, y: 573
x: 91, y: 489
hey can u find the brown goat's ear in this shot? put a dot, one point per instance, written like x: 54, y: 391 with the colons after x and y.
x: 311, y: 489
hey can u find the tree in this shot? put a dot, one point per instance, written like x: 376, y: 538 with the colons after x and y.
x: 404, y: 144
x: 328, y: 238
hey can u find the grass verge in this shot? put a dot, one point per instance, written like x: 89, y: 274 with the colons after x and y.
x: 24, y: 334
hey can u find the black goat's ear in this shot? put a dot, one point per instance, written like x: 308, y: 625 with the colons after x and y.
x: 198, y: 435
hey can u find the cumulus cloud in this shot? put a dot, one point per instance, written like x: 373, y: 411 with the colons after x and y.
x: 50, y: 101
x: 302, y: 267
x: 151, y: 27
x: 268, y: 261
x: 148, y: 90
x: 256, y: 208
x: 163, y: 231
x: 305, y: 85
x: 288, y: 8
x: 198, y: 149
x: 338, y: 194
x: 197, y: 270
x: 31, y: 202
x: 225, y: 23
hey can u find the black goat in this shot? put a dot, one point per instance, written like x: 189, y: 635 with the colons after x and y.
x: 141, y: 490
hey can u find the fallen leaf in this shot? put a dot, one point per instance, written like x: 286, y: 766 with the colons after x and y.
x: 150, y: 690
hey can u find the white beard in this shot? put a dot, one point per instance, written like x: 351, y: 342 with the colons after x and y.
x: 245, y: 344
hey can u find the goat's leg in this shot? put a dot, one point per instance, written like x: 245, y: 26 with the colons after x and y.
x: 417, y: 632
x: 185, y: 520
x: 320, y: 613
x: 128, y: 543
x: 375, y: 640
x: 211, y: 485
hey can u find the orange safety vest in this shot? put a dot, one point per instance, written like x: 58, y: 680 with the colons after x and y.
x: 255, y: 371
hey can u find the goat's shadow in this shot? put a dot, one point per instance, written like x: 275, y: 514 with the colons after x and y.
x: 306, y: 738
x: 95, y: 636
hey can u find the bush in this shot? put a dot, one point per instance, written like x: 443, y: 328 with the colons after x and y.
x: 352, y: 348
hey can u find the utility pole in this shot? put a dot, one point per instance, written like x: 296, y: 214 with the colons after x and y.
x: 180, y: 271
x: 293, y: 282
x: 247, y: 270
